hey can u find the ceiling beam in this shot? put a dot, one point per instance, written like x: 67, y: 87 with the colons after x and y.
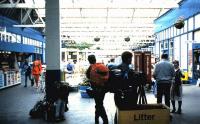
x: 26, y: 16
x: 30, y: 26
x: 22, y: 6
x: 121, y: 4
x: 134, y: 5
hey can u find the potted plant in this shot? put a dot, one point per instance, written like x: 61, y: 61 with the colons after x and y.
x: 179, y: 23
x: 96, y: 39
x: 127, y: 39
x: 83, y: 86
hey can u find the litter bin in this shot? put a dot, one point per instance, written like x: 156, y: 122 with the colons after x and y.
x: 145, y: 114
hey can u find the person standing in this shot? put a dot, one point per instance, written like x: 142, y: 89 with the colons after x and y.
x: 36, y: 71
x: 176, y: 88
x: 125, y: 93
x: 99, y: 94
x: 27, y: 69
x: 164, y: 74
x: 70, y: 68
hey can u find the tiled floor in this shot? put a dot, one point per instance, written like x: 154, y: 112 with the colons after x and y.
x: 16, y: 102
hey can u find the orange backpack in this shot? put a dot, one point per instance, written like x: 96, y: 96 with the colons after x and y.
x: 99, y: 74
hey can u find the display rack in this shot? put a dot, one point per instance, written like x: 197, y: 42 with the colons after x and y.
x: 9, y: 78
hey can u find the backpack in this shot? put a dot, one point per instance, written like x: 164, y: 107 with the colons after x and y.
x: 99, y: 74
x: 122, y: 79
x: 38, y: 110
x: 69, y: 67
x: 123, y: 83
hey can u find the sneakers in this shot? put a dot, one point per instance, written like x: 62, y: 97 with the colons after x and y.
x: 179, y: 111
x: 60, y: 118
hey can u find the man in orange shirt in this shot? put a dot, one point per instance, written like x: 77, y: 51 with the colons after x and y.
x: 36, y: 71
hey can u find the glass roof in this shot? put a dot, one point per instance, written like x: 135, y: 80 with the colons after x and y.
x: 110, y: 20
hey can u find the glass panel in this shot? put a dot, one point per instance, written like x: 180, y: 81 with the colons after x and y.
x: 183, y: 49
x: 121, y: 13
x: 191, y: 24
x: 186, y: 26
x: 197, y: 36
x: 190, y: 36
x: 166, y: 44
x: 197, y: 21
x: 177, y: 48
x: 172, y: 32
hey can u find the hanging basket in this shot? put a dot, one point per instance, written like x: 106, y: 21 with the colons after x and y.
x: 96, y: 39
x: 98, y: 48
x: 179, y: 23
x: 127, y: 39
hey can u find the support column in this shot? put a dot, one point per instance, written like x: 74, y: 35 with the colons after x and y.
x: 53, y: 46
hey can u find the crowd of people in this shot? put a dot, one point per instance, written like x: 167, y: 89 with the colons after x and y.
x: 167, y: 76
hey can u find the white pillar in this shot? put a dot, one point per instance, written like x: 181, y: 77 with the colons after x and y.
x: 53, y: 35
x: 53, y: 47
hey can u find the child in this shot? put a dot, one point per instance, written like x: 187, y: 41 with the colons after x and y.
x: 176, y: 88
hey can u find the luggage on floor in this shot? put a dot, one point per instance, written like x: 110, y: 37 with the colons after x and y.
x: 49, y: 113
x: 38, y: 110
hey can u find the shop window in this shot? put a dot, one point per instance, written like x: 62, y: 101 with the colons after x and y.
x: 165, y: 45
x: 161, y: 46
x: 171, y: 44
